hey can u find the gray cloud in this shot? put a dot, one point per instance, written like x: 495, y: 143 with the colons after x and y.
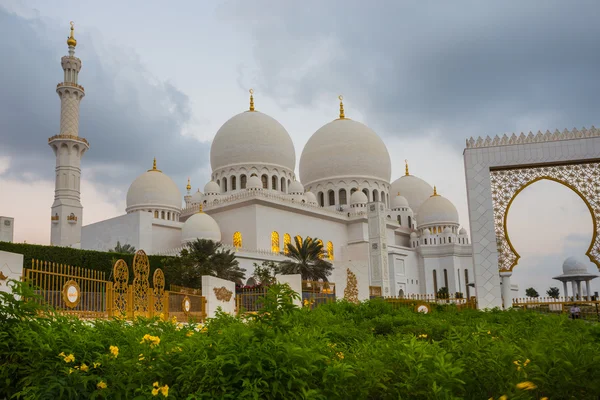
x: 127, y: 117
x: 461, y: 68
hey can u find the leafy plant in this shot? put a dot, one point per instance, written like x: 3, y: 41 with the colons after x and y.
x: 306, y: 259
x: 531, y: 292
x: 442, y: 293
x: 264, y: 274
x: 124, y: 249
x: 553, y: 292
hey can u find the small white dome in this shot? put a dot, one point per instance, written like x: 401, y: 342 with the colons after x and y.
x: 413, y: 235
x: 197, y: 197
x: 254, y: 183
x: 212, y: 187
x: 426, y: 232
x: 311, y: 198
x: 447, y: 230
x: 344, y: 148
x: 573, y: 266
x: 252, y: 138
x: 462, y: 231
x: 153, y: 189
x: 296, y: 187
x: 200, y: 226
x: 358, y: 197
x: 399, y: 202
x: 436, y: 210
x: 414, y: 189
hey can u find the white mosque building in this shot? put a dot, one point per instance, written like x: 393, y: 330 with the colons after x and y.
x: 400, y: 235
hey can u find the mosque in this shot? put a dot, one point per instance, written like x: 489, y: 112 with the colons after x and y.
x: 400, y: 235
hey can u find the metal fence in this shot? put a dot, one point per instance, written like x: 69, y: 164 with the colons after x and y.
x: 414, y: 300
x: 315, y: 293
x: 589, y: 310
x: 374, y: 291
x: 250, y: 299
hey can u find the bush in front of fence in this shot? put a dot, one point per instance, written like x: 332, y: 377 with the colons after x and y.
x: 336, y: 351
x: 95, y: 260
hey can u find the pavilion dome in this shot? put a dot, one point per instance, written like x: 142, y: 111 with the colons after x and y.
x: 400, y: 202
x: 344, y: 148
x: 212, y: 188
x: 437, y: 210
x: 573, y: 266
x: 414, y: 189
x: 197, y: 197
x: 200, y: 226
x: 462, y: 231
x: 296, y: 187
x: 153, y: 189
x: 311, y: 198
x: 252, y: 137
x: 358, y: 197
x: 254, y: 183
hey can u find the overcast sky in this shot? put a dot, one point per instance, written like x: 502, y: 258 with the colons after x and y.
x: 161, y: 79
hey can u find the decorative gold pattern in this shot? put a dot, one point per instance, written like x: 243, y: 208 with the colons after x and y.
x: 158, y: 281
x: 531, y: 138
x: 189, y: 186
x: 251, y: 99
x: 342, y: 115
x: 71, y: 293
x: 154, y: 167
x: 330, y: 250
x: 141, y: 287
x: 71, y: 42
x: 275, y: 242
x: 120, y: 287
x: 237, y: 239
x: 423, y: 308
x: 69, y: 137
x: 223, y: 294
x: 405, y: 170
x: 506, y: 184
x: 186, y: 305
x: 287, y: 239
x: 435, y: 193
x: 351, y: 291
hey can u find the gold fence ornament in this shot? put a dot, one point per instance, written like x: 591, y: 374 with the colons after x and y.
x: 71, y: 293
x: 120, y: 287
x: 351, y: 290
x: 223, y: 294
x: 158, y: 281
x: 141, y: 286
x: 186, y: 305
x: 423, y: 308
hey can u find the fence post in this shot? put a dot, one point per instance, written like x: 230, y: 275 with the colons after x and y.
x: 109, y: 299
x: 166, y: 305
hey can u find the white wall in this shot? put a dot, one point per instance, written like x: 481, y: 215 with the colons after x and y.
x: 209, y: 283
x: 165, y: 235
x: 239, y: 219
x: 404, y: 271
x: 11, y: 266
x: 104, y: 235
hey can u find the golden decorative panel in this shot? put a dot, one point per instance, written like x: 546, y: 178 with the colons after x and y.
x: 506, y: 184
x: 287, y: 239
x: 351, y: 291
x: 330, y: 250
x: 141, y: 287
x: 237, y: 239
x: 120, y: 287
x: 223, y: 294
x: 158, y: 281
x: 71, y: 293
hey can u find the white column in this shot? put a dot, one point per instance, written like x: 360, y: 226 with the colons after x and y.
x: 574, y: 289
x: 506, y: 294
x: 579, y: 293
x: 565, y: 291
x: 588, y: 290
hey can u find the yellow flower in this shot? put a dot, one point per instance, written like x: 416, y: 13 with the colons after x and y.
x: 141, y: 357
x: 155, y: 392
x: 162, y: 316
x: 503, y: 397
x: 153, y: 340
x: 174, y: 320
x: 544, y: 398
x: 96, y: 365
x: 526, y: 362
x: 114, y: 350
x: 190, y: 333
x: 62, y: 354
x: 516, y: 362
x: 84, y: 368
x: 340, y: 355
x: 165, y: 390
x: 155, y: 384
x: 69, y: 358
x: 423, y: 335
x: 489, y: 332
x: 70, y: 370
x: 101, y: 385
x: 526, y: 385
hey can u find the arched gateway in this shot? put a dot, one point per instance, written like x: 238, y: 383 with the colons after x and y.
x: 497, y: 170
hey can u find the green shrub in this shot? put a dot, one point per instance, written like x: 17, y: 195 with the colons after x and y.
x: 337, y: 351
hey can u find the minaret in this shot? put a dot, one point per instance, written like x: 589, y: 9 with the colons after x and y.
x: 188, y: 197
x: 68, y: 148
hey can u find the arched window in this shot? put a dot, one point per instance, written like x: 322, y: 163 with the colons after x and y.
x: 219, y: 182
x: 399, y: 220
x: 274, y: 182
x: 155, y: 214
x: 225, y: 184
x: 169, y: 215
x: 409, y: 222
x: 321, y: 199
x: 330, y: 250
x: 449, y: 240
x: 446, y: 279
x: 287, y: 239
x: 425, y: 241
x: 265, y: 181
x: 331, y: 197
x: 162, y: 215
x: 467, y: 283
x: 343, y: 199
x: 375, y: 195
x: 401, y: 293
x: 243, y: 182
x: 283, y: 185
x: 322, y: 249
x: 237, y: 239
x: 435, y: 288
x: 383, y: 198
x: 299, y: 238
x: 366, y: 192
x: 275, y: 242
x: 233, y: 183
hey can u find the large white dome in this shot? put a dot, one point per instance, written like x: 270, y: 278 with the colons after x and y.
x: 200, y: 226
x: 414, y: 189
x: 252, y: 138
x: 437, y: 210
x: 153, y: 189
x: 344, y: 148
x: 573, y: 266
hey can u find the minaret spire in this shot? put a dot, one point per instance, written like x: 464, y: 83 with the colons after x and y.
x: 342, y: 115
x: 251, y: 99
x: 406, y: 168
x: 188, y: 187
x: 69, y: 147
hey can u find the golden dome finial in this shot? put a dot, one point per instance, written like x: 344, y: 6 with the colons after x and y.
x: 398, y: 193
x: 71, y: 42
x: 435, y: 191
x: 251, y: 99
x: 154, y: 166
x: 406, y: 168
x: 200, y: 209
x: 342, y: 115
x: 188, y: 187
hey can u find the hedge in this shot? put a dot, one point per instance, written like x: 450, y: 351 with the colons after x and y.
x: 97, y: 260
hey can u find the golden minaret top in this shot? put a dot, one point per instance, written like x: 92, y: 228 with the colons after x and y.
x: 71, y: 42
x: 251, y: 99
x: 406, y: 168
x: 342, y: 115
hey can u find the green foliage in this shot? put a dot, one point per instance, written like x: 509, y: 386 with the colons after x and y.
x: 531, y: 292
x: 442, y: 293
x: 306, y: 260
x: 264, y: 274
x: 553, y: 292
x: 96, y: 260
x: 337, y: 351
x: 203, y: 257
x: 125, y: 248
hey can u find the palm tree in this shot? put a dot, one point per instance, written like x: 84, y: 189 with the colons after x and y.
x: 306, y: 260
x: 123, y: 249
